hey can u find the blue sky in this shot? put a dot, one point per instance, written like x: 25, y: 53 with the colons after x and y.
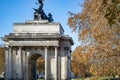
x: 12, y: 11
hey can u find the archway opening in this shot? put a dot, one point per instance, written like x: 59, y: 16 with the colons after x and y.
x: 36, y: 67
x: 40, y: 65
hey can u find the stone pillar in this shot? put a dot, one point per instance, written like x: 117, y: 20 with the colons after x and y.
x: 56, y: 63
x: 64, y: 64
x: 14, y: 61
x: 10, y: 64
x: 6, y: 63
x: 59, y: 67
x: 24, y: 64
x: 46, y: 63
x: 69, y: 63
x: 20, y: 63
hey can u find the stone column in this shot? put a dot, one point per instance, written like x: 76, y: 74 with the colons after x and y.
x: 14, y: 61
x: 6, y: 63
x: 69, y: 63
x: 24, y: 64
x: 20, y: 63
x: 56, y: 63
x: 10, y: 64
x: 64, y: 63
x: 46, y: 63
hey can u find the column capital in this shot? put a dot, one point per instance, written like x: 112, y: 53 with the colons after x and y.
x: 9, y: 46
x: 6, y: 48
x: 20, y: 46
x: 56, y: 46
x: 46, y: 46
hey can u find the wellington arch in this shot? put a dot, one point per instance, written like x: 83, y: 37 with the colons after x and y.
x: 33, y: 39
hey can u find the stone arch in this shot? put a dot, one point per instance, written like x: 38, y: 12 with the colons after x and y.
x: 31, y: 65
x: 35, y: 38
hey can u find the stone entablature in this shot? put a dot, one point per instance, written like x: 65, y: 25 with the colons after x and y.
x: 36, y: 39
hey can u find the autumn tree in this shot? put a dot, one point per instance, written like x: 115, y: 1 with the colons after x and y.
x: 40, y: 64
x: 78, y: 67
x: 2, y: 60
x: 98, y: 26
